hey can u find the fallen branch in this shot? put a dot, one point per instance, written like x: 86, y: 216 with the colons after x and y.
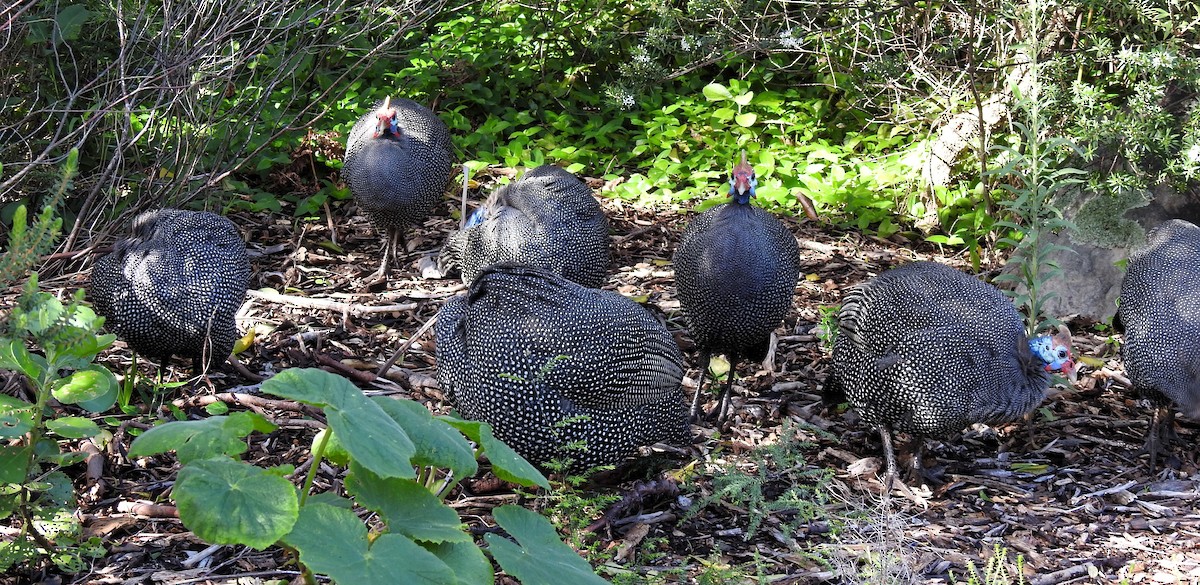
x: 343, y: 370
x: 243, y: 399
x: 148, y: 510
x: 355, y: 309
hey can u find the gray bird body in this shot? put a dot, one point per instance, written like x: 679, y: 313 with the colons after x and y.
x: 927, y: 349
x: 398, y: 180
x: 547, y: 218
x: 174, y: 285
x: 526, y: 349
x: 736, y: 269
x: 1159, y: 308
x: 397, y: 175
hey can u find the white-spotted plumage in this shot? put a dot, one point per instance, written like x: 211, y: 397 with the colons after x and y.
x: 174, y: 285
x: 526, y: 350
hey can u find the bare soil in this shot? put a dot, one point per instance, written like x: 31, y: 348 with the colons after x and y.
x: 1069, y: 492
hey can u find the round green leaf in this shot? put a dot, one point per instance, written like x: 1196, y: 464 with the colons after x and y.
x: 73, y: 427
x: 746, y: 120
x: 716, y: 92
x: 91, y: 386
x: 231, y: 502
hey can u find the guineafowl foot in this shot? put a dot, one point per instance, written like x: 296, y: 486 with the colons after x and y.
x: 1160, y: 435
x: 695, y: 412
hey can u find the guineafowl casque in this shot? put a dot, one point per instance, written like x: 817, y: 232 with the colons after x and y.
x: 174, y: 285
x: 398, y: 161
x: 547, y: 218
x: 549, y: 363
x: 1159, y: 309
x: 736, y: 270
x: 929, y: 350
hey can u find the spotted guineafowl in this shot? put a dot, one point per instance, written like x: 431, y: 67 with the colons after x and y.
x: 398, y: 161
x: 547, y: 218
x: 174, y: 285
x: 551, y: 365
x: 736, y: 270
x: 1159, y: 309
x: 929, y: 350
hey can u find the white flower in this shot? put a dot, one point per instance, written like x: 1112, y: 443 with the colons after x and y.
x: 1192, y: 155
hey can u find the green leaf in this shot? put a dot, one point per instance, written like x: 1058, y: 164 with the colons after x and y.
x: 407, y: 507
x: 69, y: 22
x: 73, y: 427
x: 12, y: 464
x: 744, y: 99
x: 201, y: 439
x: 16, y: 416
x: 716, y: 92
x: 746, y: 120
x: 230, y: 502
x: 102, y: 400
x: 371, y: 437
x: 541, y: 558
x: 85, y: 385
x: 506, y: 463
x: 14, y: 356
x: 333, y: 541
x: 469, y: 563
x: 334, y: 451
x: 437, y: 443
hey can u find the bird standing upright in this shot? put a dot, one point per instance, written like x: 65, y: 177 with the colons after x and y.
x: 929, y: 350
x: 398, y: 161
x: 736, y: 270
x: 1159, y: 308
x: 174, y: 285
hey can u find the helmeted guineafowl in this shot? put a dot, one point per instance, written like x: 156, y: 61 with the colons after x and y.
x: 174, y: 285
x: 1159, y: 308
x: 929, y: 350
x: 547, y: 218
x: 549, y: 363
x: 736, y: 270
x: 398, y: 160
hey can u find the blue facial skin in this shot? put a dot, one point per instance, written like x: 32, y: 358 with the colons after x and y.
x: 476, y: 218
x: 1055, y: 356
x: 387, y: 125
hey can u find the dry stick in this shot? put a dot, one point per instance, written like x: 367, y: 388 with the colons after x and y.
x: 148, y: 510
x: 462, y: 213
x: 326, y: 304
x: 344, y: 370
x: 1063, y: 575
x: 404, y: 346
x: 245, y: 399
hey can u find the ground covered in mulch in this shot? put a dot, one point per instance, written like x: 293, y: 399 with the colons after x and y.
x: 786, y: 491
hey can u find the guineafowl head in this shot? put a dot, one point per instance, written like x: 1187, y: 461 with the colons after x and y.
x: 387, y: 120
x: 1055, y: 351
x: 743, y: 181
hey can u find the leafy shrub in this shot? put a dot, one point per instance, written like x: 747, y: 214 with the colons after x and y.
x: 402, y: 461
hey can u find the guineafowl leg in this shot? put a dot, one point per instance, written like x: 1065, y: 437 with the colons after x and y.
x: 389, y: 250
x: 1161, y: 433
x: 889, y: 455
x: 723, y: 400
x: 704, y: 359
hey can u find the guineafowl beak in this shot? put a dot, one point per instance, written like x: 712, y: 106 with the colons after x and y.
x: 743, y: 183
x: 1068, y: 368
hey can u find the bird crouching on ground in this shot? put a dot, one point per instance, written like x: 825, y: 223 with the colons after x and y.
x: 174, y: 286
x: 547, y: 218
x: 736, y: 269
x: 562, y: 373
x: 398, y: 162
x: 929, y: 350
x: 1159, y: 309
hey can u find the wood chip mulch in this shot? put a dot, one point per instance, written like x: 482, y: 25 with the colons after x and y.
x: 1069, y: 491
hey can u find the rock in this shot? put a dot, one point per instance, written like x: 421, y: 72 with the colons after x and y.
x: 1110, y: 225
